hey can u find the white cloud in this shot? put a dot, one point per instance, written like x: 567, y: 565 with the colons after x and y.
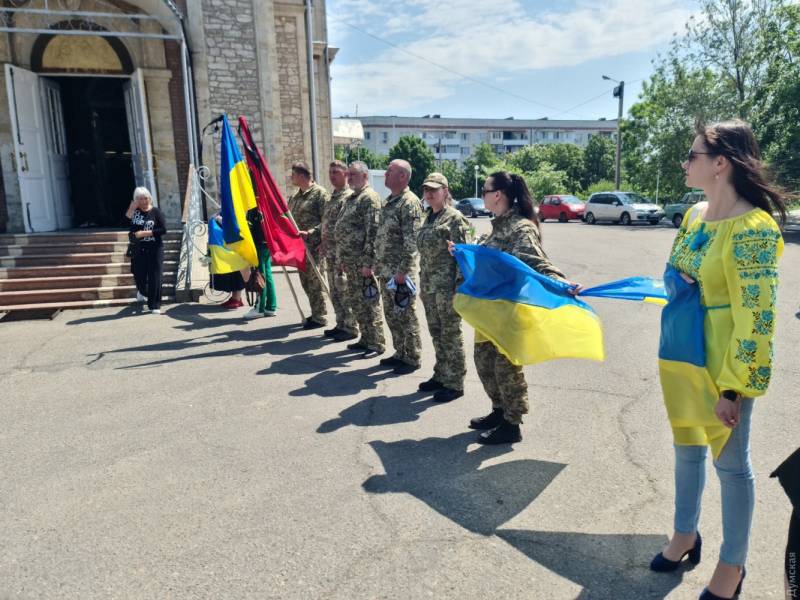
x: 484, y: 40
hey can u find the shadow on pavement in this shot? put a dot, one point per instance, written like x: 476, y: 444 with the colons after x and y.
x: 128, y: 311
x: 442, y: 474
x: 194, y: 317
x: 608, y: 566
x: 305, y: 362
x: 261, y: 337
x: 370, y: 412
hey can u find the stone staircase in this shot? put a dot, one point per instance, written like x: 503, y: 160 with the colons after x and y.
x: 74, y: 269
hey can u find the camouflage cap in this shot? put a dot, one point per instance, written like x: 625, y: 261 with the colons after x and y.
x: 435, y: 181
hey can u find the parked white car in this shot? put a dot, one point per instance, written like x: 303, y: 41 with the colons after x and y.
x: 621, y: 207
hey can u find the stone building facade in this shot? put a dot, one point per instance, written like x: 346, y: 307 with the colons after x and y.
x: 87, y: 117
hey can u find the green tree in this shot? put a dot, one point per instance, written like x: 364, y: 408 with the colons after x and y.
x: 545, y: 180
x: 598, y: 160
x: 419, y: 156
x: 726, y: 38
x: 568, y: 158
x: 371, y: 159
x: 777, y: 103
x: 460, y: 182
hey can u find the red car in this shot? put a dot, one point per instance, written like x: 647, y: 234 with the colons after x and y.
x: 562, y: 207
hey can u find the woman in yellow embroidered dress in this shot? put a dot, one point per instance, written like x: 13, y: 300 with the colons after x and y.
x: 715, y: 353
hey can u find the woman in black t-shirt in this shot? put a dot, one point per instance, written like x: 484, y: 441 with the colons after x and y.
x: 147, y: 256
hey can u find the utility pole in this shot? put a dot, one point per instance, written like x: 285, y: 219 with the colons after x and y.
x: 619, y: 92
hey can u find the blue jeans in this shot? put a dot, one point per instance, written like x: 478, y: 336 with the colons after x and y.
x: 736, y: 484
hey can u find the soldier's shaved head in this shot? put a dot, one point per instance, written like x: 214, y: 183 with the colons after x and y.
x: 398, y: 173
x: 404, y: 165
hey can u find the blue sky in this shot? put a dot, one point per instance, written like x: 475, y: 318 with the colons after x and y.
x: 537, y: 58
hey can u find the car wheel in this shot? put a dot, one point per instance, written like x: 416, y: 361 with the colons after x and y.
x: 625, y: 219
x: 474, y: 215
x: 590, y: 218
x: 677, y: 219
x: 562, y: 218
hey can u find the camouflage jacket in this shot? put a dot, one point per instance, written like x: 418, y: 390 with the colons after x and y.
x: 332, y: 209
x: 514, y: 234
x: 438, y: 271
x: 356, y: 228
x: 396, y: 244
x: 307, y: 209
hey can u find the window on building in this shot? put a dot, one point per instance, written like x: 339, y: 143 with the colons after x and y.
x: 367, y: 135
x: 497, y: 135
x: 385, y: 137
x: 449, y: 135
x: 465, y: 151
x: 464, y: 137
x: 424, y: 135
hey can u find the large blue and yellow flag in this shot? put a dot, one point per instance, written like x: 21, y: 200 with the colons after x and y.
x: 641, y: 289
x: 222, y: 260
x: 236, y: 197
x: 531, y: 318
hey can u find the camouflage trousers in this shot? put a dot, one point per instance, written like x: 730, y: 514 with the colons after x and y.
x: 503, y: 381
x: 444, y: 325
x: 403, y: 325
x: 367, y: 314
x: 313, y: 289
x: 345, y: 319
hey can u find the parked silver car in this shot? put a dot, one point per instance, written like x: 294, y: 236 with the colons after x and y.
x: 621, y: 207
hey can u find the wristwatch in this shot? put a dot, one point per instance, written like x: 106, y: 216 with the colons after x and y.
x: 730, y: 395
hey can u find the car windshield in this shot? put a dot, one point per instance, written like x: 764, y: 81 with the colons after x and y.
x: 571, y: 200
x: 630, y: 198
x: 476, y: 202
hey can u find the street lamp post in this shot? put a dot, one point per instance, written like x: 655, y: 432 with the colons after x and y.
x: 619, y: 92
x: 477, y: 168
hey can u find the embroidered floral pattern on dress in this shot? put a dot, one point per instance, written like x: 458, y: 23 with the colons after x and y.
x: 750, y: 295
x: 759, y: 378
x: 686, y: 255
x: 763, y: 322
x: 747, y: 351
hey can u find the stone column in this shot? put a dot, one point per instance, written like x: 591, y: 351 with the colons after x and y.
x: 156, y: 82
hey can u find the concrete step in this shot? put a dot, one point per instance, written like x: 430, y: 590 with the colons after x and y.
x: 88, y: 258
x: 65, y: 296
x: 71, y: 282
x: 81, y: 304
x: 65, y: 237
x: 83, y: 247
x: 118, y: 268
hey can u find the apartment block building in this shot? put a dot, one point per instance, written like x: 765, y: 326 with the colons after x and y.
x: 455, y: 139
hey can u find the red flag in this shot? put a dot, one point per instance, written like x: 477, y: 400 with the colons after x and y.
x: 286, y: 247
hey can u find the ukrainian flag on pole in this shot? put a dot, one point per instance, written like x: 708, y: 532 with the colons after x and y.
x: 236, y: 197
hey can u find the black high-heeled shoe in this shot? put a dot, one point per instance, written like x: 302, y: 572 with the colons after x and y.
x: 660, y: 564
x: 706, y: 595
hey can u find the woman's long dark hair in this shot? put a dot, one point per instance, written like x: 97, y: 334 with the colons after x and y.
x: 515, y: 189
x: 735, y: 141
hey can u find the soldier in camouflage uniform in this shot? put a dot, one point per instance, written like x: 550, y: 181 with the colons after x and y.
x: 515, y: 230
x: 346, y: 327
x: 438, y: 275
x: 307, y: 205
x: 354, y: 237
x: 395, y: 257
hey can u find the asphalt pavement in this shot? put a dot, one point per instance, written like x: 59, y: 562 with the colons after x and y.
x: 196, y: 455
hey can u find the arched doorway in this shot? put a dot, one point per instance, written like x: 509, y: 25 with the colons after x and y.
x: 86, y: 87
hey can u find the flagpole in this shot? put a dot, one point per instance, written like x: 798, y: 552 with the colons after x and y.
x: 310, y: 257
x: 294, y: 294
